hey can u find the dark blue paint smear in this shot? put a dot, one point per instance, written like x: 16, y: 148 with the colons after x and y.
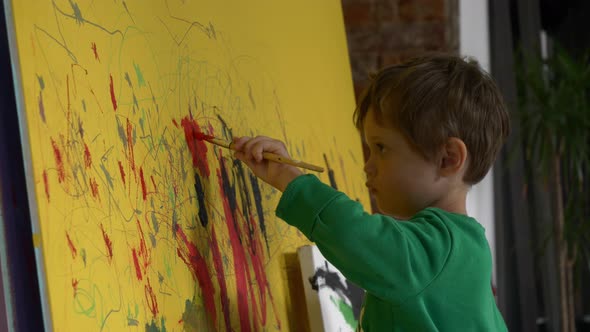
x: 203, y: 215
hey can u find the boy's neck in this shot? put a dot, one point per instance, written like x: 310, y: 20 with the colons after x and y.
x: 454, y: 201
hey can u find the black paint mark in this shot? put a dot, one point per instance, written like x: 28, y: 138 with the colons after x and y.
x: 251, y: 95
x: 174, y: 222
x: 259, y: 210
x: 203, y: 216
x: 128, y: 79
x: 230, y: 194
x: 80, y: 128
x: 240, y: 175
x: 331, y: 279
x: 330, y: 173
x: 224, y: 127
x: 128, y: 13
x: 135, y: 103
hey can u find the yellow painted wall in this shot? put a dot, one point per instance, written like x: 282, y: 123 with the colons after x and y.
x: 135, y: 233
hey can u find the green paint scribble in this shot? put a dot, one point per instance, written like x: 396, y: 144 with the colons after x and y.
x: 141, y: 122
x: 83, y: 254
x: 107, y: 175
x: 189, y: 316
x: 168, y: 268
x: 346, y: 311
x: 132, y: 319
x: 77, y: 12
x: 84, y: 302
x: 135, y: 103
x: 122, y: 133
x: 153, y: 240
x: 41, y: 82
x: 153, y: 327
x: 140, y: 80
x: 155, y: 223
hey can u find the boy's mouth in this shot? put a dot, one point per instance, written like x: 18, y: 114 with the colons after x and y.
x: 371, y: 188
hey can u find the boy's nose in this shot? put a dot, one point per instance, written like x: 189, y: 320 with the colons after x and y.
x: 369, y: 169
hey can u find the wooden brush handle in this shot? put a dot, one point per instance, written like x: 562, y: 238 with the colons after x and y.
x: 288, y: 161
x: 272, y: 156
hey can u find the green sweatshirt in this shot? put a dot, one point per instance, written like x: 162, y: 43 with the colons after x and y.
x: 431, y: 273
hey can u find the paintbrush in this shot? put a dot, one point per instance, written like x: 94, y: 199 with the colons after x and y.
x: 265, y: 155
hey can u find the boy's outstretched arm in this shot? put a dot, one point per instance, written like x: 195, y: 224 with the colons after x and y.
x: 380, y: 254
x: 249, y: 150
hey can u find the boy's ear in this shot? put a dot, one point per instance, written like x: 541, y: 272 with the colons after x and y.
x: 454, y: 157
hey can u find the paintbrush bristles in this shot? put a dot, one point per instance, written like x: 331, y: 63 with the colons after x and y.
x: 219, y: 142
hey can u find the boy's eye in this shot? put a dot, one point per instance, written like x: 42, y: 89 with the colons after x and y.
x: 380, y: 146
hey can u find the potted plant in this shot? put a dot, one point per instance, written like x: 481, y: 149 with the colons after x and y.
x: 554, y: 115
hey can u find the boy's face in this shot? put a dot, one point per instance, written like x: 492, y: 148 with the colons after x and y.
x: 400, y: 179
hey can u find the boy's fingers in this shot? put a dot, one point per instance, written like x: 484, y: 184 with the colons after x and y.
x: 254, y: 147
x: 248, y: 146
x: 261, y: 144
x: 239, y: 155
x: 238, y: 142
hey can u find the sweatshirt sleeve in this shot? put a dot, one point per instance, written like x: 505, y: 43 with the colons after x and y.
x: 394, y: 260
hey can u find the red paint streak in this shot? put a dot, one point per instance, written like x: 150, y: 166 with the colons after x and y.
x: 46, y: 183
x: 87, y: 156
x: 122, y: 172
x: 213, y: 244
x: 94, y: 188
x: 143, y: 189
x: 198, y: 148
x: 150, y: 298
x: 113, y: 99
x: 203, y: 137
x: 144, y: 253
x: 154, y: 183
x: 175, y: 123
x: 61, y: 172
x: 190, y: 255
x: 240, y: 267
x: 71, y: 245
x: 75, y: 286
x: 95, y: 52
x: 255, y: 251
x: 136, y: 263
x: 253, y: 303
x: 108, y: 243
x: 130, y: 146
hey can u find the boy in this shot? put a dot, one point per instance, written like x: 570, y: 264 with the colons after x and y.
x: 433, y: 127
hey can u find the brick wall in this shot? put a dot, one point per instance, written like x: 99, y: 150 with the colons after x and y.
x: 382, y: 32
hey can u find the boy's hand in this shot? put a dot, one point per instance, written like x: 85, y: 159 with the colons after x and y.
x: 249, y: 150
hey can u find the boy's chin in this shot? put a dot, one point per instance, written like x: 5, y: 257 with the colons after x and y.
x: 392, y: 212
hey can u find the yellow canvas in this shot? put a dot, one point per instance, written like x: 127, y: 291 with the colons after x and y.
x: 140, y: 227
